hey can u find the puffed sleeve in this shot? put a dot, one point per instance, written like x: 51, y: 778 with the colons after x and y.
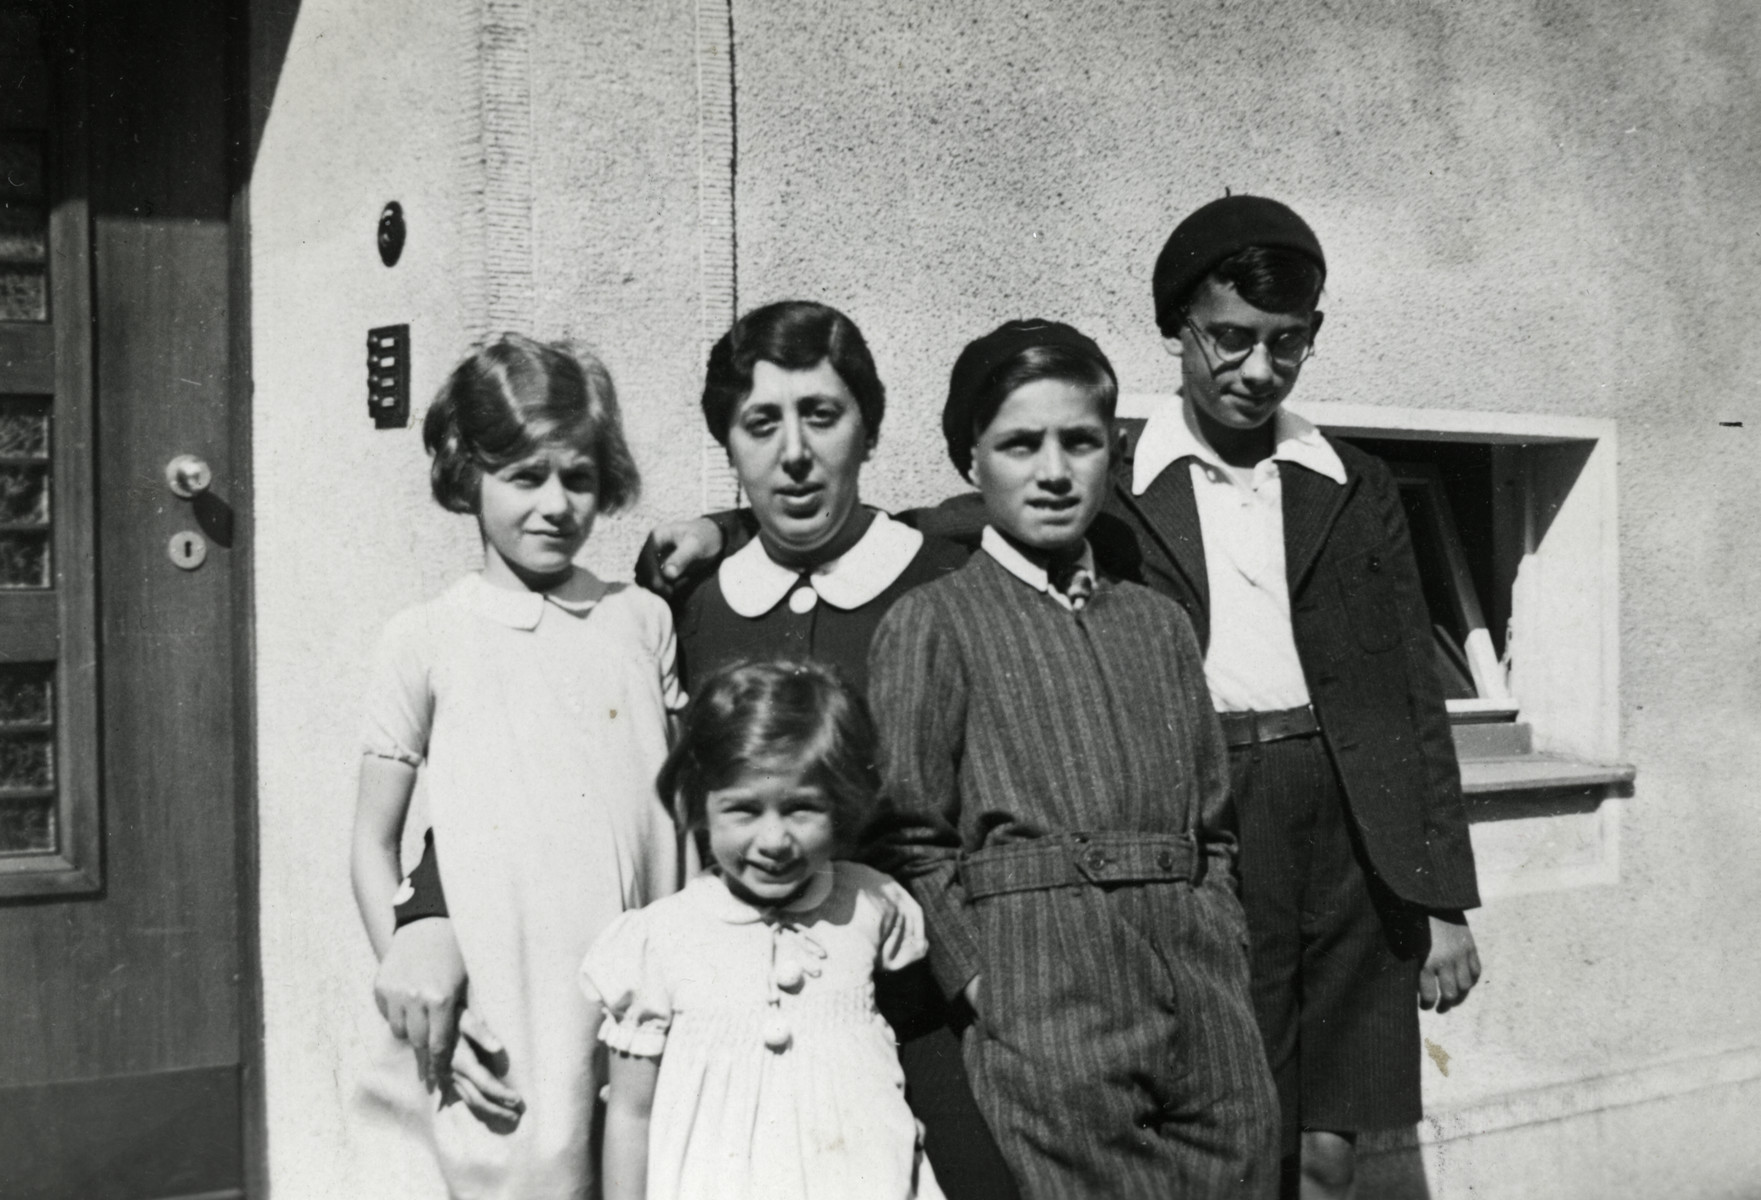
x: 622, y: 972
x: 400, y: 695
x: 890, y: 913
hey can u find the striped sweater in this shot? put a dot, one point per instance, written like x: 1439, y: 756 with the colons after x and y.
x: 1005, y: 717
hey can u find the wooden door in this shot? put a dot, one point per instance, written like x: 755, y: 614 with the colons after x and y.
x: 122, y: 1039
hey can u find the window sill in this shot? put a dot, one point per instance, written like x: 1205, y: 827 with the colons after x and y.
x: 1499, y: 758
x: 1532, y: 773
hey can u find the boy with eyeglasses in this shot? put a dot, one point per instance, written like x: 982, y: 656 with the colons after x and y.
x: 1290, y: 553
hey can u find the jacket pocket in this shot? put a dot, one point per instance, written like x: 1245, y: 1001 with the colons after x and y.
x: 1366, y: 589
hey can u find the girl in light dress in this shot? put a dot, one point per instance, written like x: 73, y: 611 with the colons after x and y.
x: 533, y: 699
x: 748, y: 1059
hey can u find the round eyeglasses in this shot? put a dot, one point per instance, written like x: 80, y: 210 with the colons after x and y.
x: 1230, y: 345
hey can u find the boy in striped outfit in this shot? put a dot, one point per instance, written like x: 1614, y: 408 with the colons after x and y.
x: 1059, y: 788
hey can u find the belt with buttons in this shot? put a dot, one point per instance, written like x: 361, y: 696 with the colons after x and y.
x: 1100, y: 857
x: 1246, y: 728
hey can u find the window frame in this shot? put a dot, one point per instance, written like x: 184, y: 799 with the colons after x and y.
x: 53, y: 358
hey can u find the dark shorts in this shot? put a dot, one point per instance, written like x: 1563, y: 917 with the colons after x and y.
x: 1335, y: 954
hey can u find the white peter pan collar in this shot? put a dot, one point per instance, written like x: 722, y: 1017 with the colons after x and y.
x: 753, y: 583
x: 522, y: 610
x: 1171, y: 434
x: 711, y: 893
x: 1024, y: 568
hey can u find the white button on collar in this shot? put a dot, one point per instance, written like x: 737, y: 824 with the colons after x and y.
x: 802, y: 600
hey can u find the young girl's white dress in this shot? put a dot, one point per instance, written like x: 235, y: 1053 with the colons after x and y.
x: 540, y: 723
x: 778, y: 1079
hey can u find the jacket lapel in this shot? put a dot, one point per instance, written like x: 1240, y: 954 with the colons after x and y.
x: 1167, y: 512
x: 1312, y: 503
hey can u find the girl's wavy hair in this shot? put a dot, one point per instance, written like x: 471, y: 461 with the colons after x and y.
x: 782, y: 716
x: 513, y: 396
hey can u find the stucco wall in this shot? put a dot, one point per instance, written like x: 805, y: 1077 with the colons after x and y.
x: 1527, y: 208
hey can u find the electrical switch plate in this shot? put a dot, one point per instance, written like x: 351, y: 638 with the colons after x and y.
x: 388, y: 376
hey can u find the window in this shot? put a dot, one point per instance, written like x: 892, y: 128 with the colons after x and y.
x: 1514, y: 526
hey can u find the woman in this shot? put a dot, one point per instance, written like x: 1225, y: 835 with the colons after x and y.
x: 791, y: 392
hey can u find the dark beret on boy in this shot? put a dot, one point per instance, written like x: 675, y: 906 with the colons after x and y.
x: 984, y: 358
x: 1214, y: 232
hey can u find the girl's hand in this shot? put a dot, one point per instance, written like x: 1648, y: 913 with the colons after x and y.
x: 419, y: 989
x: 479, y: 1066
x: 1452, y: 967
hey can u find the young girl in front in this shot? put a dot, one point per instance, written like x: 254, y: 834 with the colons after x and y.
x: 533, y: 700
x: 748, y: 1059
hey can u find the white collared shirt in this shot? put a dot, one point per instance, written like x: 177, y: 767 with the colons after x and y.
x: 753, y: 583
x: 1025, y: 569
x: 1251, y: 664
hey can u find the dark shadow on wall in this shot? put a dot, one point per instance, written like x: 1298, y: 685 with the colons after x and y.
x: 264, y: 27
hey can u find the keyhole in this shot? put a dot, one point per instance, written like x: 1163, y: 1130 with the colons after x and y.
x: 188, y: 549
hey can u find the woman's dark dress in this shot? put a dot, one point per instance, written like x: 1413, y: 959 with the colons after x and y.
x: 967, y: 1163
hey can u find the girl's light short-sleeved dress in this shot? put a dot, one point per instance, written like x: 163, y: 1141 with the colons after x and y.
x: 779, y: 1079
x: 540, y: 723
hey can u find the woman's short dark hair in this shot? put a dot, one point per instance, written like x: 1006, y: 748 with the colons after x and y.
x: 796, y: 335
x: 513, y: 396
x: 1273, y: 279
x: 780, y: 715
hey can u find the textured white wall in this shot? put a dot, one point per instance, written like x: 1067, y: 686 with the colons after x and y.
x: 365, y: 111
x: 1532, y: 208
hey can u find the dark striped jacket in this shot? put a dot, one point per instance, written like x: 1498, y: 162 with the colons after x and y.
x: 1005, y: 717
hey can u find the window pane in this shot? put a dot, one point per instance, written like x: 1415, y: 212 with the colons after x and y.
x: 27, y: 826
x: 24, y: 229
x: 24, y: 427
x: 27, y: 696
x: 24, y: 493
x: 27, y: 758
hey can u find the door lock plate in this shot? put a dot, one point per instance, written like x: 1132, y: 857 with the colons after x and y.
x: 187, y: 550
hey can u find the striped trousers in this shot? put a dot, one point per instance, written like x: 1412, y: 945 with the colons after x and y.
x: 1116, y: 1052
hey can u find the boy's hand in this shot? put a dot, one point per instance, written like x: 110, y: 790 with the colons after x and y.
x: 479, y: 1064
x: 673, y: 548
x: 969, y: 993
x: 1452, y: 967
x: 420, y: 984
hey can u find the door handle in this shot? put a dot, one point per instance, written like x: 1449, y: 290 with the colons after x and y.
x: 187, y: 476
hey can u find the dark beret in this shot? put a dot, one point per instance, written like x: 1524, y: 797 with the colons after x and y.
x: 981, y: 360
x: 1216, y: 231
